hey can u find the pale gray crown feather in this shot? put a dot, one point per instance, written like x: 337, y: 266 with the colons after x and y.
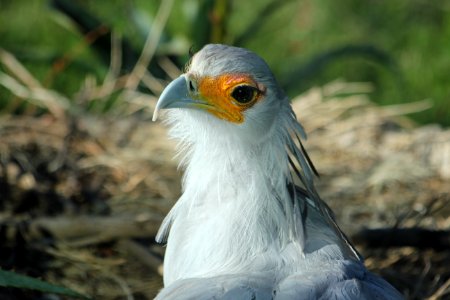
x: 217, y: 59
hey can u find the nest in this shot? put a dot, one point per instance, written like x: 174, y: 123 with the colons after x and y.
x: 82, y: 197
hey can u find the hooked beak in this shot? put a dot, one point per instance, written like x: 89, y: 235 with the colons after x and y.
x: 177, y: 95
x: 174, y: 95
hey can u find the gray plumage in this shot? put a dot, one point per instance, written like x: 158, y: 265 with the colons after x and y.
x: 242, y: 228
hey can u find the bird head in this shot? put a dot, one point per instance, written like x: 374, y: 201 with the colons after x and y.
x: 227, y: 87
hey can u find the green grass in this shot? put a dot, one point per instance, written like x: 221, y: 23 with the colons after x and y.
x: 40, y: 38
x: 414, y: 34
x: 10, y: 279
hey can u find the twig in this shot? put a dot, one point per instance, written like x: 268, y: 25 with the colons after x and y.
x: 87, y: 230
x: 150, y: 44
x: 55, y: 103
x: 149, y: 260
x: 123, y: 285
x: 111, y: 79
x: 16, y: 68
x: 443, y: 290
x: 169, y: 67
x: 419, y: 282
x: 116, y: 57
x: 152, y: 83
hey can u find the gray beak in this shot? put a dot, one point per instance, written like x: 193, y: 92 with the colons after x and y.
x: 175, y: 95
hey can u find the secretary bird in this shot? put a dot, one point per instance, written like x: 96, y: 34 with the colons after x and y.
x: 250, y: 223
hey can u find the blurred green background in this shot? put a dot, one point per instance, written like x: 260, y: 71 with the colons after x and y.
x: 402, y: 47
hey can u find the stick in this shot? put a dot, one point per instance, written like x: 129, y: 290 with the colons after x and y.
x: 86, y: 230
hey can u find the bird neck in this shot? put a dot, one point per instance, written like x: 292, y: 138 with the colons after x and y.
x: 237, y: 189
x: 244, y: 184
x: 236, y: 208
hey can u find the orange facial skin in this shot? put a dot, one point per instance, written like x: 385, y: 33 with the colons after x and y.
x: 216, y: 92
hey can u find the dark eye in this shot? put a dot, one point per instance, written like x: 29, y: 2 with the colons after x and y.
x: 244, y: 94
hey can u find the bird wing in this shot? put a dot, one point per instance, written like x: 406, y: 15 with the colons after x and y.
x: 224, y: 287
x: 346, y: 280
x: 307, y: 199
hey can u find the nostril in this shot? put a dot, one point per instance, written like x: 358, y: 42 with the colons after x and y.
x: 191, y: 86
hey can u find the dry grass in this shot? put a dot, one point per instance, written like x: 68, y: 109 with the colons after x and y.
x: 377, y: 170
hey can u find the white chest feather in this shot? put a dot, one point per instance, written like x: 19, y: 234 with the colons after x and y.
x: 233, y: 213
